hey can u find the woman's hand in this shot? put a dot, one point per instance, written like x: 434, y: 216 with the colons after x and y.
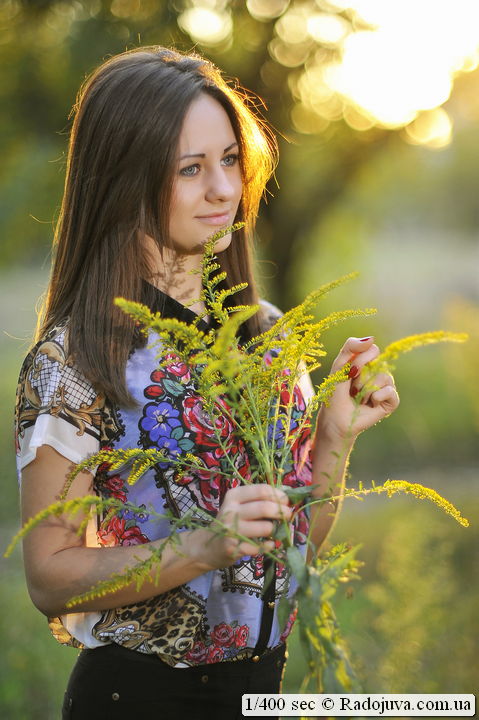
x: 344, y: 418
x: 59, y: 564
x: 247, y: 510
x: 356, y: 404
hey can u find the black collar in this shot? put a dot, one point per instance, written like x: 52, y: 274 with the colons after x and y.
x: 168, y: 307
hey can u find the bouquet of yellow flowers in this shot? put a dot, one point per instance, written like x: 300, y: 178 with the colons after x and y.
x: 251, y: 388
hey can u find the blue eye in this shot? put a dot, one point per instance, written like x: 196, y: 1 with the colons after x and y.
x: 190, y: 171
x: 230, y: 160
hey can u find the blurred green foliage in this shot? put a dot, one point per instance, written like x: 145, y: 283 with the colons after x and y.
x: 411, y: 622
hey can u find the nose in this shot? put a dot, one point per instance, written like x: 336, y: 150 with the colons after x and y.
x: 223, y: 185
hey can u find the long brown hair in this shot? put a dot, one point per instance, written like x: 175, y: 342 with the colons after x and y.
x: 121, y: 162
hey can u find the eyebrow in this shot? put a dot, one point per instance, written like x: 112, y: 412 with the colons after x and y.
x: 202, y: 155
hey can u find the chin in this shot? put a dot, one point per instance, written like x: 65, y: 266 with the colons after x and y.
x: 223, y: 243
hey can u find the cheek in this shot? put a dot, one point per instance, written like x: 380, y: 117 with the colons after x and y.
x: 179, y: 208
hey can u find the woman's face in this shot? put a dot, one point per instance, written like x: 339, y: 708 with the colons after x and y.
x: 208, y: 184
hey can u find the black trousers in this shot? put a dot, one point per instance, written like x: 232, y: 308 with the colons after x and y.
x: 113, y: 683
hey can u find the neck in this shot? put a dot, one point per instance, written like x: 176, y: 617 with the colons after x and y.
x: 172, y: 273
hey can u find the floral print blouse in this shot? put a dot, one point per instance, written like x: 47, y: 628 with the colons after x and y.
x: 218, y: 616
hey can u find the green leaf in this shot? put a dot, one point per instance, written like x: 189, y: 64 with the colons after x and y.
x: 296, y: 494
x: 285, y: 608
x: 186, y: 444
x: 177, y: 433
x: 283, y: 532
x: 173, y: 388
x: 297, y: 564
x: 268, y: 576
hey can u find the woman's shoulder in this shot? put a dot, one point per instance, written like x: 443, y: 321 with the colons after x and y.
x: 55, y: 402
x: 53, y: 344
x: 269, y: 314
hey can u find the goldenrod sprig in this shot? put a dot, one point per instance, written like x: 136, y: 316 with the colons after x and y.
x: 85, y: 505
x: 391, y: 487
x: 385, y: 361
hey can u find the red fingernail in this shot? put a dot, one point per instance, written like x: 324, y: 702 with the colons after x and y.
x: 354, y: 372
x: 353, y: 392
x: 366, y: 339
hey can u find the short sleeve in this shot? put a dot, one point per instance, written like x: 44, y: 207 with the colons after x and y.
x: 55, y: 405
x: 269, y: 315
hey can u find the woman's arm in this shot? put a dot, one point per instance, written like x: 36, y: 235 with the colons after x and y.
x: 59, y: 565
x: 340, y: 423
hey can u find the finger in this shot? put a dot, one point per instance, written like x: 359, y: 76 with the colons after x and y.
x: 235, y: 524
x: 360, y: 361
x: 235, y: 549
x: 264, y: 509
x: 370, y: 385
x: 252, y: 493
x: 352, y: 348
x: 386, y: 399
x: 255, y: 528
x: 382, y: 403
x: 267, y: 546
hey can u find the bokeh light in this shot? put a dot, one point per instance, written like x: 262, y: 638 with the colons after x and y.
x: 406, y: 63
x: 266, y: 9
x: 432, y: 128
x: 327, y: 29
x: 391, y: 63
x: 370, y: 63
x: 207, y: 25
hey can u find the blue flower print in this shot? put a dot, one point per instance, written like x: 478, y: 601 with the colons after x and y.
x: 159, y: 420
x: 278, y: 433
x: 141, y: 517
x: 170, y: 447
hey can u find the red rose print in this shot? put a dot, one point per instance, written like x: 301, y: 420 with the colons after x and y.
x: 215, y: 654
x: 241, y: 636
x: 115, y: 485
x: 157, y: 376
x: 209, y: 459
x: 198, y: 653
x: 297, y: 398
x: 223, y: 635
x: 111, y: 533
x: 115, y: 533
x: 114, y: 482
x: 301, y: 450
x: 104, y: 466
x: 211, y: 491
x: 197, y: 420
x: 258, y: 565
x: 208, y: 488
x: 177, y: 367
x: 301, y: 528
x: 133, y: 536
x: 290, y: 479
x: 289, y: 625
x: 153, y: 391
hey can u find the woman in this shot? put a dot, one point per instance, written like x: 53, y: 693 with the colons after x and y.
x: 162, y: 154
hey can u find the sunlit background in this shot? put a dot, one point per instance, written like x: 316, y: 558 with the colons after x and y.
x: 376, y: 108
x: 390, y: 63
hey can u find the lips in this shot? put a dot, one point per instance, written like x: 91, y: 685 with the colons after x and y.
x: 217, y: 219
